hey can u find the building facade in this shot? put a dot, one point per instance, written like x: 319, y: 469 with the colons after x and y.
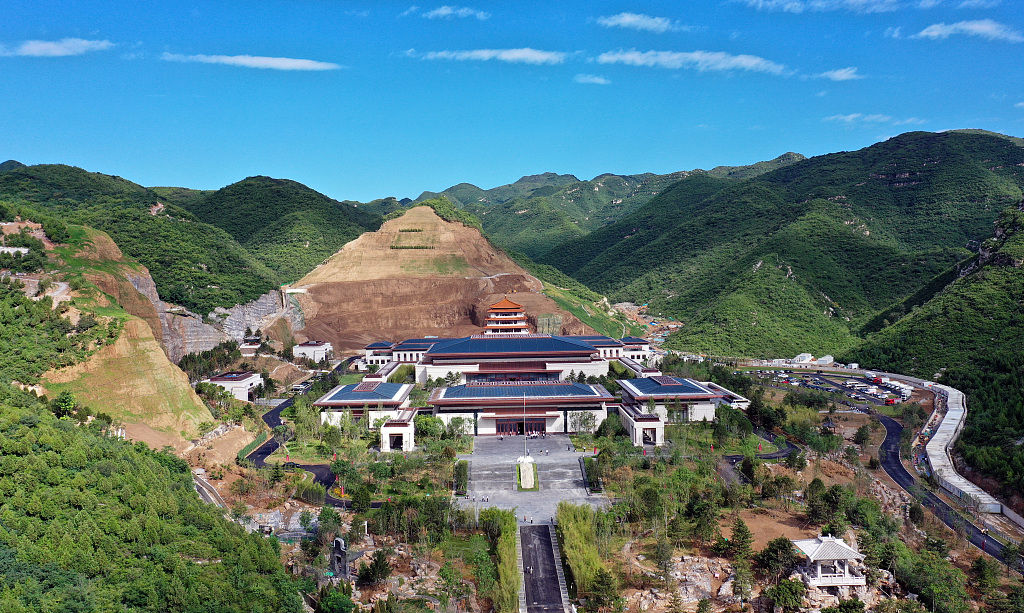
x: 534, y: 407
x: 673, y: 399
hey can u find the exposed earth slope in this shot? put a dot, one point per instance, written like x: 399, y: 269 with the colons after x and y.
x: 131, y: 379
x: 418, y: 275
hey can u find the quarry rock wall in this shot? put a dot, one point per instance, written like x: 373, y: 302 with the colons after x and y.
x: 186, y: 332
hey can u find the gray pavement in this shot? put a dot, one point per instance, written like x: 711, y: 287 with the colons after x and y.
x: 492, y: 476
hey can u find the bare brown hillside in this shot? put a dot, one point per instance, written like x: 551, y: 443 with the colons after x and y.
x: 132, y: 379
x: 418, y: 275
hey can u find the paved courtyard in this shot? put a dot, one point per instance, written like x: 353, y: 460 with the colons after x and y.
x: 492, y: 475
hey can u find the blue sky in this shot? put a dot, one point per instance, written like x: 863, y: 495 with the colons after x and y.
x: 362, y: 100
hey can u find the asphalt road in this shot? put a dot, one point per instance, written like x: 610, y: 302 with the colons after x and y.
x: 895, y: 469
x: 542, y: 592
x: 733, y: 460
x: 321, y: 472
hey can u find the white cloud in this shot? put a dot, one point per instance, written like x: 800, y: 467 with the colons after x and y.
x: 409, y: 11
x: 1019, y: 105
x: 447, y: 12
x: 701, y: 60
x: 253, y: 61
x: 640, y: 22
x: 525, y: 55
x: 893, y: 32
x: 876, y: 118
x: 979, y: 4
x: 591, y: 79
x: 58, y: 48
x: 928, y: 4
x: 841, y: 74
x: 986, y: 28
x: 852, y: 117
x: 799, y: 6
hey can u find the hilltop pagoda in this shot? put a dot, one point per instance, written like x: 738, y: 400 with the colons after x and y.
x: 506, y: 317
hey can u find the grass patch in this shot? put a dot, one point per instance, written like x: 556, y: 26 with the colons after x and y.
x: 696, y: 438
x: 352, y: 377
x: 590, y: 315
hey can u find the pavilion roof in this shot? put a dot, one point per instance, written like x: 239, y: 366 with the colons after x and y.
x: 506, y: 304
x: 827, y: 548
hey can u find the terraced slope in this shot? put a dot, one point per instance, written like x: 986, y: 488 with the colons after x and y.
x: 418, y: 275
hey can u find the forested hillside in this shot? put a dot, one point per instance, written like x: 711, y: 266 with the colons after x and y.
x: 815, y: 249
x: 91, y: 523
x: 972, y: 335
x: 285, y: 225
x: 193, y: 264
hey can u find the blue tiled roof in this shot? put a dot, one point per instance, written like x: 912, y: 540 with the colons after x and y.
x: 347, y: 393
x: 542, y: 390
x: 599, y: 341
x: 378, y: 345
x: 659, y: 386
x: 531, y: 344
x: 418, y: 344
x: 634, y: 340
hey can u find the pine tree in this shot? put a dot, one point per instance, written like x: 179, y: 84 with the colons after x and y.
x: 742, y: 539
x: 675, y: 601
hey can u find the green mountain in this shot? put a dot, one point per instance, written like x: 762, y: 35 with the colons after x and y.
x: 11, y: 165
x: 465, y: 194
x: 758, y: 168
x: 180, y: 196
x: 979, y: 312
x: 538, y: 212
x: 285, y: 225
x: 194, y: 264
x: 810, y: 252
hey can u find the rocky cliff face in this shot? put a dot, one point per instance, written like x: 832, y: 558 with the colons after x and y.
x: 186, y: 332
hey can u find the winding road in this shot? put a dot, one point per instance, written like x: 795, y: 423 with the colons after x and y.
x: 895, y: 469
x: 321, y: 472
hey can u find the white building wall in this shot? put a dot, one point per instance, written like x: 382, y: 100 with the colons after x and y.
x: 407, y: 432
x: 312, y: 352
x: 595, y: 369
x: 635, y: 430
x: 699, y: 411
x: 239, y: 389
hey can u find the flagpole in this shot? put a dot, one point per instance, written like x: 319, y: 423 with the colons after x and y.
x: 525, y: 451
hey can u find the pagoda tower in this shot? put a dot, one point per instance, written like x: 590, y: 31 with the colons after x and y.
x: 506, y: 317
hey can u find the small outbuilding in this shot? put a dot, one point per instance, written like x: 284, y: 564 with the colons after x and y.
x: 829, y: 560
x: 313, y: 350
x: 238, y: 383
